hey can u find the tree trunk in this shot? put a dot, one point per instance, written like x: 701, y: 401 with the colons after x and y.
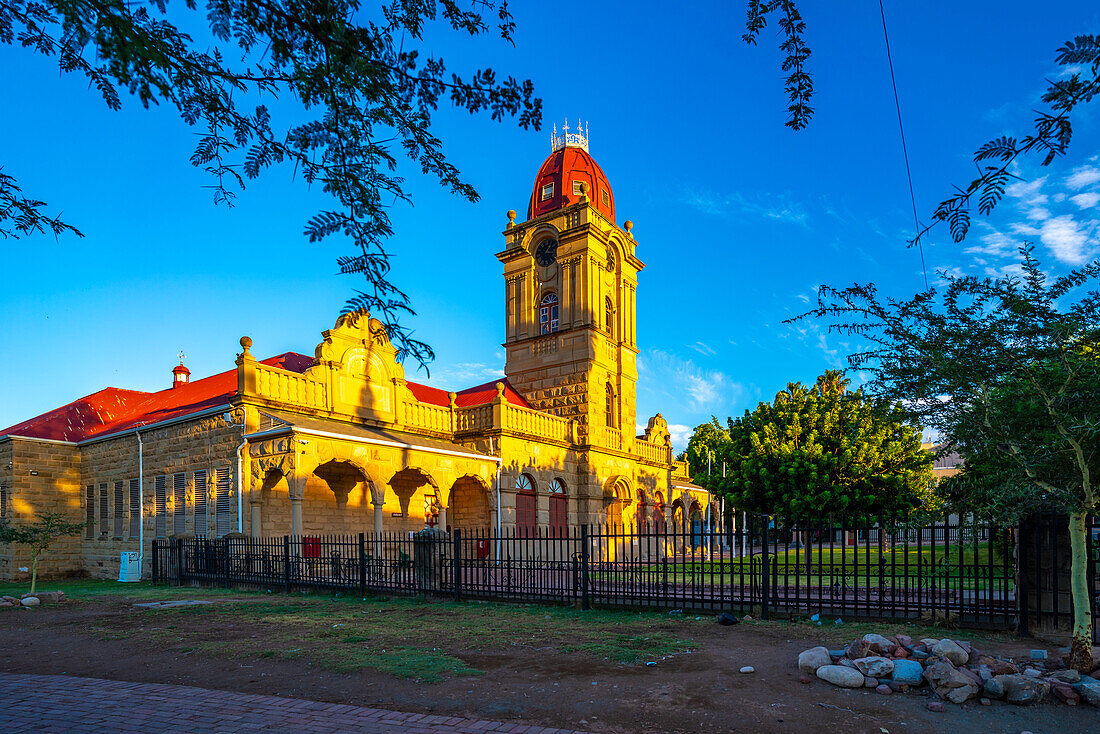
x: 34, y: 571
x: 1080, y: 652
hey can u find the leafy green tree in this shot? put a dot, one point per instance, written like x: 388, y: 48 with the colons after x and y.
x: 39, y: 535
x: 1009, y: 369
x: 826, y: 450
x: 364, y: 98
x: 708, y: 443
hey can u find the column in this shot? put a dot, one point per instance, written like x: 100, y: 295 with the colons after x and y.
x: 256, y: 523
x: 295, y: 516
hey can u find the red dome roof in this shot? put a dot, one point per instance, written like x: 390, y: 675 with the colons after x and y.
x: 564, y: 167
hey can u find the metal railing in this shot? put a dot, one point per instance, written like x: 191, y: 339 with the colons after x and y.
x: 959, y: 570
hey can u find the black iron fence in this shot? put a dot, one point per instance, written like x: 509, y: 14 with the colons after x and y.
x: 958, y: 570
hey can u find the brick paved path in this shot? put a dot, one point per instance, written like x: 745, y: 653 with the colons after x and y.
x: 61, y: 703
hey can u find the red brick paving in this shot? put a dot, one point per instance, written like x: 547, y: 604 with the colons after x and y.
x: 61, y: 703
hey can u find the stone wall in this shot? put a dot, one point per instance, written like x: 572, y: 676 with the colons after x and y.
x: 44, y: 478
x: 194, y: 449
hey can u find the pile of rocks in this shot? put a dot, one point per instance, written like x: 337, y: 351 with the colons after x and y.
x: 954, y: 670
x: 32, y: 600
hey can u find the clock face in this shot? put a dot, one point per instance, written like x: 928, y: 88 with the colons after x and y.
x: 546, y: 253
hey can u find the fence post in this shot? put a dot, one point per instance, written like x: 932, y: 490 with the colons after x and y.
x: 227, y: 581
x: 766, y: 569
x: 156, y: 566
x: 179, y: 561
x: 456, y: 560
x: 286, y: 563
x: 363, y: 565
x: 584, y: 567
x: 729, y: 545
x: 1021, y: 585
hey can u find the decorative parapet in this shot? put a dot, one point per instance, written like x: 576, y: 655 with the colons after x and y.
x: 651, y: 452
x: 537, y: 424
x: 426, y: 417
x: 613, y: 438
x: 475, y: 418
x: 680, y: 471
x: 290, y: 388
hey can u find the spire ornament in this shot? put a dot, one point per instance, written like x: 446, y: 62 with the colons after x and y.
x: 566, y: 139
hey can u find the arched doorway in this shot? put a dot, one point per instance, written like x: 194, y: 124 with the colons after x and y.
x: 658, y: 512
x: 469, y: 508
x: 418, y: 501
x: 336, y: 500
x: 697, y: 526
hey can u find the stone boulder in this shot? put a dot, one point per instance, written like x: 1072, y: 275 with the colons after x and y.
x: 810, y: 660
x: 998, y: 666
x: 993, y: 688
x: 1065, y: 676
x: 30, y: 601
x: 905, y: 641
x: 6, y: 605
x: 1065, y: 693
x: 908, y: 672
x: 13, y: 599
x: 949, y: 684
x: 951, y: 650
x: 51, y: 597
x: 880, y: 645
x: 1089, y: 691
x: 858, y: 649
x: 841, y: 676
x: 1023, y: 690
x: 875, y: 667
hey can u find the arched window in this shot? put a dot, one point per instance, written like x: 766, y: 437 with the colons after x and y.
x: 609, y: 410
x: 658, y: 511
x: 641, y: 516
x: 548, y: 313
x: 525, y: 505
x: 558, y: 508
x: 609, y: 316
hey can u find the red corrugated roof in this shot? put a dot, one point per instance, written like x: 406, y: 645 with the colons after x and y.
x: 477, y: 395
x: 113, y: 409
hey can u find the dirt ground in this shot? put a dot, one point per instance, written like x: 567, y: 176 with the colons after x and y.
x: 499, y: 671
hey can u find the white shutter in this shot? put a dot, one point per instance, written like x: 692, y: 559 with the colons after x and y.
x: 179, y: 503
x: 201, y: 518
x: 160, y: 499
x: 223, y: 506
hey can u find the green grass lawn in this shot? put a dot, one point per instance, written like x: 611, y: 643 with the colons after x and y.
x: 427, y: 641
x: 830, y: 566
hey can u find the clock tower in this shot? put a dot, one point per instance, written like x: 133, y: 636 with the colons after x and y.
x: 570, y: 284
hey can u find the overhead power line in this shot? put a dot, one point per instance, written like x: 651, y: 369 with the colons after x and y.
x: 904, y: 150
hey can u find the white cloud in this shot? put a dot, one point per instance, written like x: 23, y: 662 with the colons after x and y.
x: 1029, y: 192
x: 780, y: 208
x: 1067, y: 238
x: 462, y: 375
x: 1083, y: 176
x: 702, y: 390
x: 703, y: 348
x: 1086, y: 200
x: 679, y: 434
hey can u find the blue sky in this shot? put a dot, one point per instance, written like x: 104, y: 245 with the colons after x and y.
x: 738, y: 218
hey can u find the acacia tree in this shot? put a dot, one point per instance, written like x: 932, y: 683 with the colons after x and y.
x: 356, y: 71
x: 1009, y: 369
x: 39, y: 535
x: 825, y: 450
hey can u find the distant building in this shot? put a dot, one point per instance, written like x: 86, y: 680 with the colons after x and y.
x: 946, y: 465
x: 341, y: 442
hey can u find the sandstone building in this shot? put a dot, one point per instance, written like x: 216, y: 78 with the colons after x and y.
x: 341, y: 442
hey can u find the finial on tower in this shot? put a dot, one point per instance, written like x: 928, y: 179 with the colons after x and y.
x: 578, y: 139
